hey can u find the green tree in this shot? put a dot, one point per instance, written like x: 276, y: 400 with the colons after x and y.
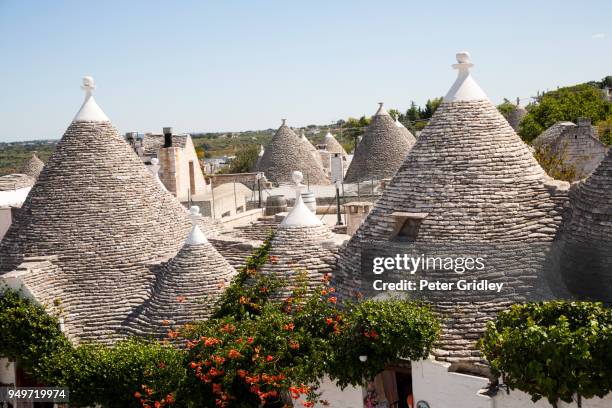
x: 506, y: 108
x: 246, y: 157
x: 564, y: 104
x: 430, y: 107
x: 604, y: 129
x: 395, y: 113
x: 413, y: 113
x: 556, y: 350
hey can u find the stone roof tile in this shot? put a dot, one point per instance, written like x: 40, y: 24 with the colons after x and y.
x: 285, y: 153
x: 381, y: 150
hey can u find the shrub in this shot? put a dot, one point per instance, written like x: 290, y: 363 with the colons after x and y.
x: 553, y: 350
x: 383, y: 331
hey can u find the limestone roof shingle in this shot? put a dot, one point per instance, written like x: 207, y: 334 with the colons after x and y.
x: 516, y: 115
x: 587, y: 252
x: 186, y: 290
x: 152, y: 143
x: 285, y: 153
x: 405, y: 131
x: 16, y: 181
x: 381, y: 150
x: 311, y: 148
x: 553, y: 133
x: 32, y: 166
x: 300, y: 255
x: 332, y: 145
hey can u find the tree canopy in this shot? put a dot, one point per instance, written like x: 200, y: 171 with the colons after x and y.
x: 564, y: 104
x: 556, y: 350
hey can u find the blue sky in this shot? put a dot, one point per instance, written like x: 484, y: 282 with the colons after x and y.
x: 238, y: 65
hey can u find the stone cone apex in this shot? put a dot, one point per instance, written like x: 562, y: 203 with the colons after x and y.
x: 102, y: 213
x: 300, y: 215
x: 32, y: 166
x: 196, y: 236
x: 587, y: 253
x: 381, y: 150
x: 90, y: 111
x: 187, y: 286
x: 287, y: 152
x: 333, y: 145
x: 469, y: 180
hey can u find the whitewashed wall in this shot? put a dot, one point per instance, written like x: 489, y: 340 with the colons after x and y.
x: 6, y: 219
x: 518, y: 399
x: 350, y: 397
x: 7, y: 371
x: 433, y: 383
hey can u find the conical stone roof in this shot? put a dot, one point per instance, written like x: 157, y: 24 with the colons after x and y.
x: 311, y: 148
x: 101, y: 212
x: 472, y: 188
x: 258, y: 161
x: 333, y: 146
x: 286, y: 152
x: 407, y: 134
x: 516, y: 116
x: 32, y: 166
x: 381, y: 151
x: 300, y: 252
x: 186, y: 289
x: 587, y: 250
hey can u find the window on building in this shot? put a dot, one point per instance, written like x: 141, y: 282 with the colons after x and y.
x: 407, y: 225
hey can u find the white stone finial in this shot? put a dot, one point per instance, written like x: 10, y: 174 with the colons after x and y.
x: 464, y: 88
x: 297, y: 177
x: 154, y: 169
x: 463, y: 57
x: 284, y: 122
x: 196, y: 236
x: 300, y: 215
x: 194, y: 212
x: 90, y: 111
x: 397, y: 122
x: 88, y: 84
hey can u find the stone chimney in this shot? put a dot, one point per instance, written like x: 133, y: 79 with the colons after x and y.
x: 355, y: 213
x: 169, y: 162
x: 167, y: 137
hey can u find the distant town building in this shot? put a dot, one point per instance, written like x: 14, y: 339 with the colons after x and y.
x: 180, y: 169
